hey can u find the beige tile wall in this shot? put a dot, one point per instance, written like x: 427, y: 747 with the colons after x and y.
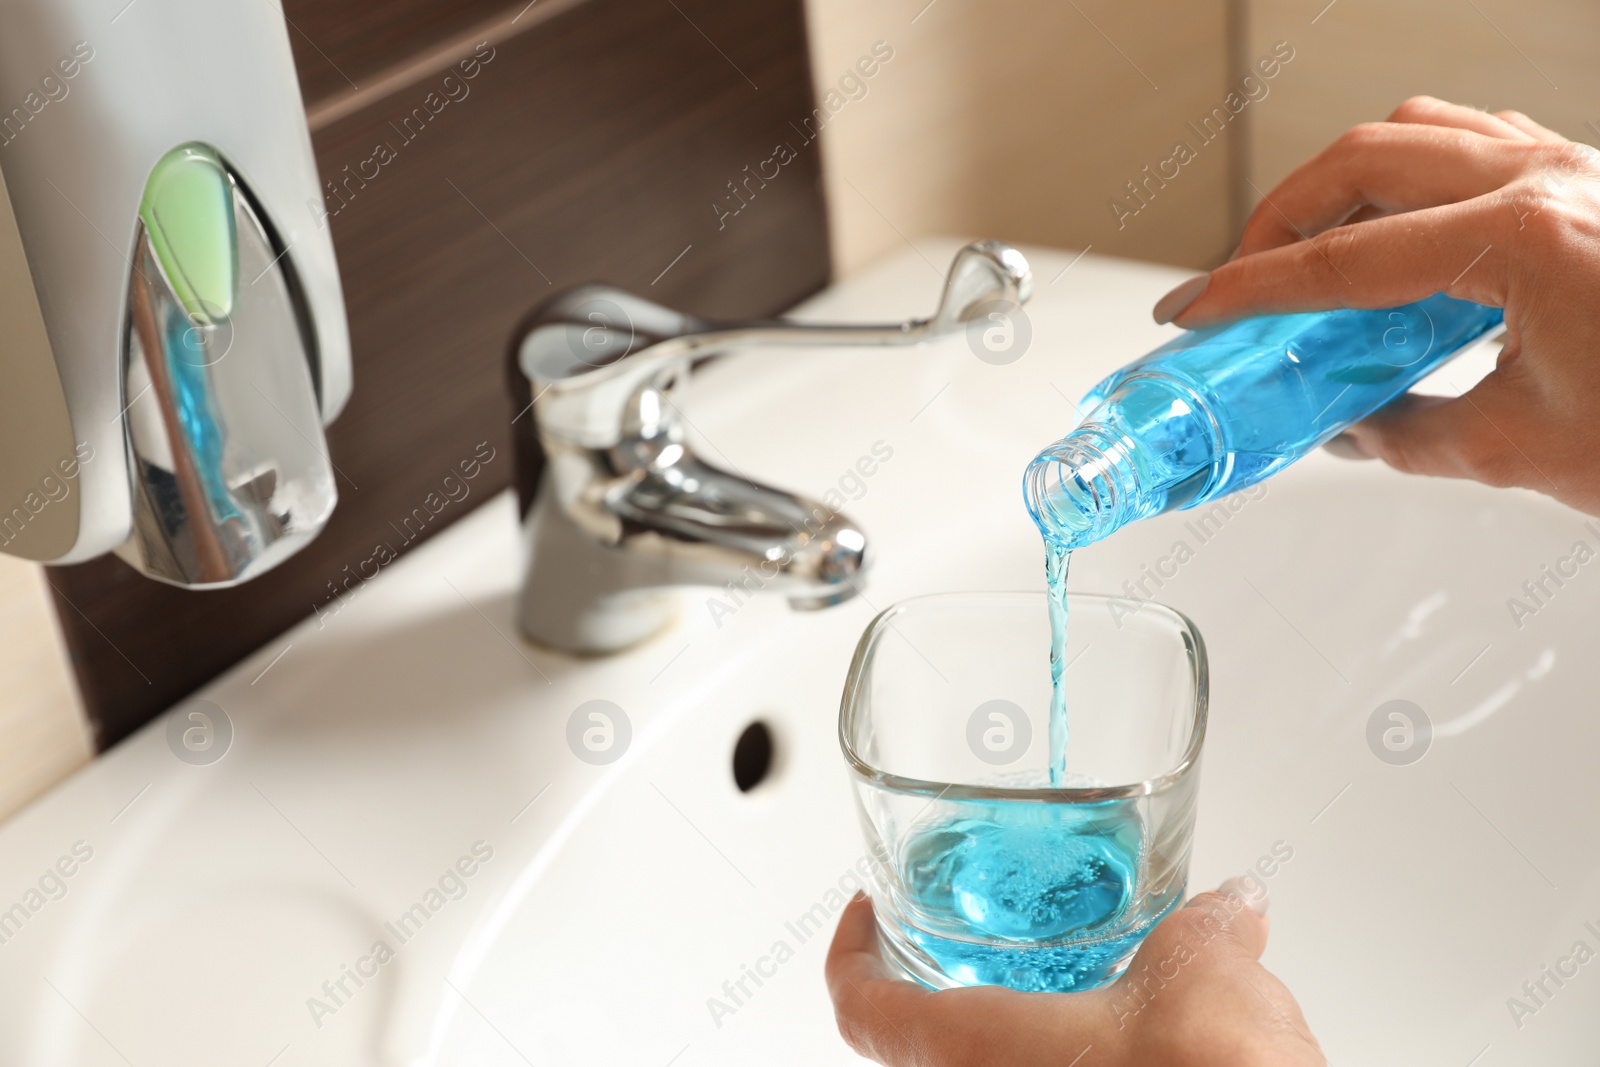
x: 1362, y: 57
x: 43, y: 735
x: 1022, y: 119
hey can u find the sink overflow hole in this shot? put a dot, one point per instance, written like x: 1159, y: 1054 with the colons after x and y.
x: 752, y: 756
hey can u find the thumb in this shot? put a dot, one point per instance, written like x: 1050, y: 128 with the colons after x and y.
x: 1450, y: 437
x: 1217, y: 930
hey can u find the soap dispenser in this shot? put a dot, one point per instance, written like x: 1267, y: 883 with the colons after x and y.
x: 172, y: 332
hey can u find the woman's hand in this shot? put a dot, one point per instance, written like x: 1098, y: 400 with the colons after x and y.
x: 1196, y: 995
x: 1443, y: 198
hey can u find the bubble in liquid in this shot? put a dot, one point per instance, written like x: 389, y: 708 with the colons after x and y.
x: 1035, y: 883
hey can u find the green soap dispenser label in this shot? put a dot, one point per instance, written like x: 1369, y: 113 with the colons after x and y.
x: 188, y: 212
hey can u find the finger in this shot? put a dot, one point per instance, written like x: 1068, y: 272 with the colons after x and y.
x: 1431, y: 111
x: 1366, y: 213
x: 1469, y: 436
x: 855, y: 950
x: 1388, y: 166
x: 1344, y: 446
x: 1209, y: 943
x: 1458, y: 249
x: 855, y: 958
x: 1248, y: 889
x: 894, y: 1021
x: 1528, y: 126
x: 1227, y: 917
x: 877, y: 1012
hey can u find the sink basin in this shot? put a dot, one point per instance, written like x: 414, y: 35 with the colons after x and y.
x: 409, y: 855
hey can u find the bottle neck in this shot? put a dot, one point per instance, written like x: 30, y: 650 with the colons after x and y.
x: 1080, y: 488
x: 1151, y: 445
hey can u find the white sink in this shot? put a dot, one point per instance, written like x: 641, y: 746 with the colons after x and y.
x: 391, y: 737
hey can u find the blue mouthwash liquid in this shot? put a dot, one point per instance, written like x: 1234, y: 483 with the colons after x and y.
x: 1056, y: 559
x: 1044, y: 897
x: 1217, y: 410
x: 1037, y: 897
x: 1031, y: 896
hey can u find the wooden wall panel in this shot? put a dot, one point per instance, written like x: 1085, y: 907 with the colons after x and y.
x: 589, y: 147
x: 340, y: 45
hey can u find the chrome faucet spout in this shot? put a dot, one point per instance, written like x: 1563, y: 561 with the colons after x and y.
x: 618, y: 510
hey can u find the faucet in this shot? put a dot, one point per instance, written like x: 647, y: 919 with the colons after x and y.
x: 618, y: 510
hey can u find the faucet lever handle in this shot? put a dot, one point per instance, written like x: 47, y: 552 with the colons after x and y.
x: 981, y: 272
x: 588, y: 352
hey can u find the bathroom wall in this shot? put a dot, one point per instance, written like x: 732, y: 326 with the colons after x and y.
x: 1357, y: 59
x: 1025, y: 120
x: 43, y: 733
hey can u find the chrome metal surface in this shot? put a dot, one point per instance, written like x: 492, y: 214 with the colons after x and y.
x: 625, y: 511
x: 228, y: 465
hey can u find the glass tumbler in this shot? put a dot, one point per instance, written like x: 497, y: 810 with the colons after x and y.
x: 989, y: 875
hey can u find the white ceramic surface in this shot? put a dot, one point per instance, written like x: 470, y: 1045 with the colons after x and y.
x: 375, y: 747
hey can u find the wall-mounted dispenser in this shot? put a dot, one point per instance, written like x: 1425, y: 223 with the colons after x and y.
x: 172, y: 333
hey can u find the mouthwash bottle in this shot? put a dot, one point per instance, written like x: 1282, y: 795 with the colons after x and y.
x: 1216, y: 410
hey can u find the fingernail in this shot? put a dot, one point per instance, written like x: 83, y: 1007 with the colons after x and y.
x: 861, y: 894
x: 1251, y: 896
x: 1172, y: 305
x: 1345, y: 447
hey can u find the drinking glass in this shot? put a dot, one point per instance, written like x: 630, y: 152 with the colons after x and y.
x: 989, y: 874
